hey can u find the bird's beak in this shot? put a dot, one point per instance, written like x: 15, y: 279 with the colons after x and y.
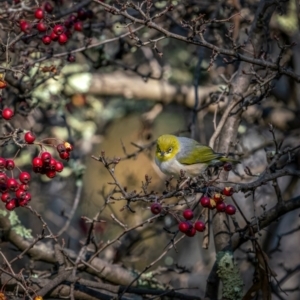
x: 162, y: 153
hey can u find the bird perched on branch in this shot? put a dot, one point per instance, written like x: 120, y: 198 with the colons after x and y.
x: 174, y: 154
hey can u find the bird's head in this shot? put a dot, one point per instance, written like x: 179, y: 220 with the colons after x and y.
x: 167, y: 147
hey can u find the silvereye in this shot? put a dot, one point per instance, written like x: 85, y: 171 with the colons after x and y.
x: 181, y: 153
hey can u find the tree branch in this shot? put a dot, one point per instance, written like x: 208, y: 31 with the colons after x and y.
x: 233, y: 53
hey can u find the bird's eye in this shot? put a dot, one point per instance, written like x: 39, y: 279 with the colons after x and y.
x: 170, y: 150
x: 158, y: 150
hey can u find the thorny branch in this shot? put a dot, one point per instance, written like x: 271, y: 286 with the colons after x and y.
x: 248, y: 87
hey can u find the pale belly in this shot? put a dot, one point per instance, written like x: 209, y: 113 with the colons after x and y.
x: 173, y: 167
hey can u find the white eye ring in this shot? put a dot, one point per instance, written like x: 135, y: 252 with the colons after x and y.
x: 170, y: 150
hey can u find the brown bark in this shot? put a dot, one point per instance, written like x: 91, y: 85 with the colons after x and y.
x: 134, y: 87
x: 227, y: 130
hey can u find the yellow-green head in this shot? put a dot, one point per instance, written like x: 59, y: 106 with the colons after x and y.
x: 167, y: 147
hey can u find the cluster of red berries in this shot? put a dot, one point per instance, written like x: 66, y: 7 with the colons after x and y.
x: 187, y: 226
x: 14, y: 193
x: 217, y: 202
x: 60, y: 32
x: 45, y: 163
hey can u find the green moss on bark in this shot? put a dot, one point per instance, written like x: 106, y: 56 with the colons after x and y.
x: 230, y: 276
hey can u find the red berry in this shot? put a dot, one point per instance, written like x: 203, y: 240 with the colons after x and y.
x: 184, y: 226
x: 64, y: 155
x: 7, y: 113
x: 53, y: 36
x: 230, y: 209
x: 50, y: 174
x: 68, y: 146
x: 27, y: 197
x: 218, y: 197
x: 24, y: 187
x: 10, y: 164
x: 39, y: 14
x: 71, y: 58
x: 72, y: 18
x: 59, y: 166
x: 2, y: 162
x: 52, y: 164
x: 22, y: 202
x: 205, y: 201
x: 78, y: 26
x: 48, y: 7
x: 62, y: 39
x: 212, y: 204
x: 58, y: 29
x: 70, y: 21
x: 44, y: 170
x: 46, y: 39
x: 188, y: 214
x: 11, y: 204
x: 61, y: 148
x: 81, y: 14
x: 228, y: 191
x: 41, y: 27
x: 3, y: 177
x: 191, y: 232
x: 155, y: 208
x: 46, y: 157
x: 20, y: 194
x: 25, y: 26
x: 5, y: 197
x: 37, y: 164
x: 199, y: 226
x: 68, y: 24
x: 227, y: 166
x: 24, y: 177
x: 221, y: 206
x: 29, y: 137
x: 12, y: 184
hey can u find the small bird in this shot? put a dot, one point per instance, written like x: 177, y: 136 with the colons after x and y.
x: 174, y: 154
